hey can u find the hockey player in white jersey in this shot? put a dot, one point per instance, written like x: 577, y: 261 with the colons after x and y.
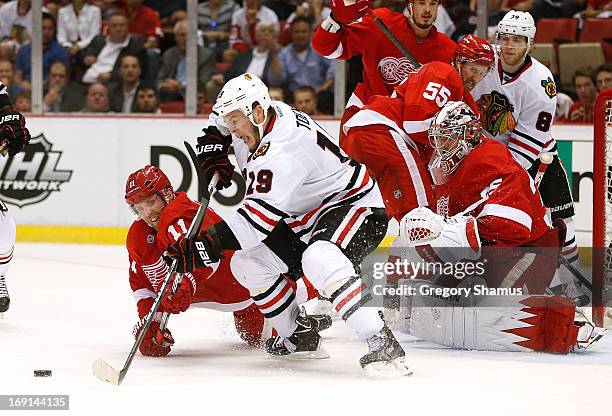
x: 517, y: 103
x: 300, y: 185
x: 14, y: 136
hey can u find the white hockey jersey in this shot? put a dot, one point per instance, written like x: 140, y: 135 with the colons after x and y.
x: 296, y: 174
x: 519, y: 110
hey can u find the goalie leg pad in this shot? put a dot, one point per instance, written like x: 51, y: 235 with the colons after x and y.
x: 491, y: 323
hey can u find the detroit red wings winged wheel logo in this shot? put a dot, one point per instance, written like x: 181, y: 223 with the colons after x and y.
x: 394, y: 70
x: 496, y: 113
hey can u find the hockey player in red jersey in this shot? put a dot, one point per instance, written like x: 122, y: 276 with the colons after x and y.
x: 351, y: 30
x: 389, y: 135
x: 163, y: 217
x: 484, y: 199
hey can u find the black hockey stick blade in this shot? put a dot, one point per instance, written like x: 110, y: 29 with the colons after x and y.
x: 581, y: 278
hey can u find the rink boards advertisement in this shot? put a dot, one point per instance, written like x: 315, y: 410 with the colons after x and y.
x: 71, y: 180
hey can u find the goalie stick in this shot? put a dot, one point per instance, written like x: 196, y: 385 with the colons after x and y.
x: 101, y: 368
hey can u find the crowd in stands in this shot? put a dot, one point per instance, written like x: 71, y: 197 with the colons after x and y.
x: 128, y: 56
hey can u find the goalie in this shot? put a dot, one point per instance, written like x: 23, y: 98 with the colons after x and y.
x: 487, y: 207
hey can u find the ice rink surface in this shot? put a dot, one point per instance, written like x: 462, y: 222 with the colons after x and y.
x: 72, y: 304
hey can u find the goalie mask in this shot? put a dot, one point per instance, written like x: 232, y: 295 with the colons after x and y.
x: 454, y: 132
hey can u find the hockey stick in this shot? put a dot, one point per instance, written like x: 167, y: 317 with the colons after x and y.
x: 212, y: 186
x: 394, y: 39
x: 546, y: 159
x: 101, y: 368
x: 576, y: 273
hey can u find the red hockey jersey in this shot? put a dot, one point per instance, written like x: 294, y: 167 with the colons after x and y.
x: 414, y: 103
x: 216, y: 289
x: 384, y: 66
x: 513, y: 214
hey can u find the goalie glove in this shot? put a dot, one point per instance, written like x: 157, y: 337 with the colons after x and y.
x: 213, y: 156
x: 154, y: 343
x: 437, y: 238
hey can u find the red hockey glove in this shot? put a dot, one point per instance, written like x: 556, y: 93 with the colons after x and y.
x: 13, y: 131
x: 180, y: 301
x: 154, y: 343
x: 193, y: 253
x: 213, y: 150
x: 345, y: 14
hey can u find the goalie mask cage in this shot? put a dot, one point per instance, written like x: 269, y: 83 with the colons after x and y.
x: 602, y: 205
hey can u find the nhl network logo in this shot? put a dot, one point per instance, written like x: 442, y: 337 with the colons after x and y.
x: 31, y: 176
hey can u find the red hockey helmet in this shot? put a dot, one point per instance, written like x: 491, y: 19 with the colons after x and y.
x: 145, y: 182
x: 474, y: 49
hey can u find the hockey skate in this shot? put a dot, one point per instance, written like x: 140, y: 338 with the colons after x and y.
x: 386, y: 356
x: 575, y: 293
x: 5, y: 300
x: 321, y: 322
x: 589, y: 335
x: 304, y: 343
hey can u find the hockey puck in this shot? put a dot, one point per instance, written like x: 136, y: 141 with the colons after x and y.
x: 42, y: 373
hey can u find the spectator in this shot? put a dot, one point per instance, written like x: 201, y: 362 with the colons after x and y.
x: 166, y: 8
x: 52, y: 7
x: 97, y: 100
x: 106, y: 7
x: 16, y: 21
x: 201, y: 97
x: 603, y: 77
x: 244, y: 21
x: 305, y: 100
x: 256, y: 61
x: 23, y: 102
x: 298, y: 64
x: 556, y: 8
x: 314, y: 10
x: 282, y: 8
x: 103, y: 54
x: 582, y: 110
x: 147, y: 100
x: 78, y: 23
x: 598, y: 8
x: 7, y: 77
x: 172, y: 77
x: 59, y: 93
x: 444, y: 23
x: 144, y: 23
x: 52, y: 52
x: 276, y: 94
x: 215, y: 20
x: 123, y: 93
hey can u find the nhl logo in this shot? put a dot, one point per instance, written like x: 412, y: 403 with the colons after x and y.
x: 397, y: 193
x: 31, y: 176
x: 150, y: 239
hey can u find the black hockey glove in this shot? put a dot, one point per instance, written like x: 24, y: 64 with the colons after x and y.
x: 195, y: 252
x: 213, y: 150
x: 13, y: 132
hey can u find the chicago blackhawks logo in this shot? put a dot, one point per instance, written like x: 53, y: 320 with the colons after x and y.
x: 32, y: 175
x: 394, y: 70
x: 496, y: 113
x: 549, y: 87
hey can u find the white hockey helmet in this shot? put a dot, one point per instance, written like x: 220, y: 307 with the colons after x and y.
x: 454, y: 132
x: 518, y: 23
x: 242, y: 93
